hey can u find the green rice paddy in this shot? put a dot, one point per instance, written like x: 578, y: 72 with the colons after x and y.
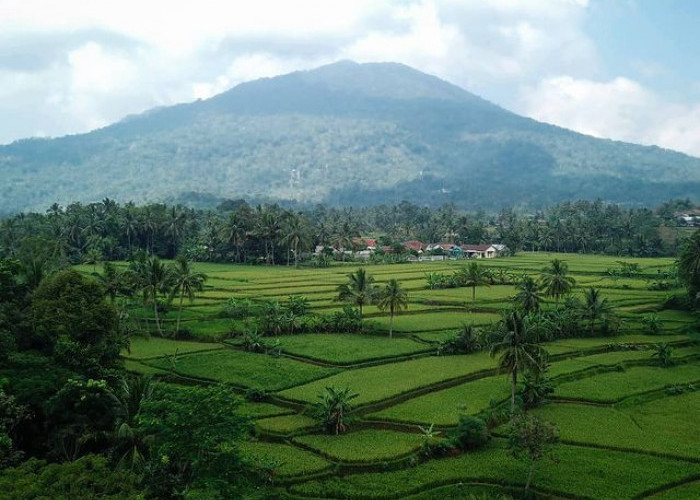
x: 629, y: 428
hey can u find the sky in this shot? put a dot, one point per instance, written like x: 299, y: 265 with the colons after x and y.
x: 620, y: 69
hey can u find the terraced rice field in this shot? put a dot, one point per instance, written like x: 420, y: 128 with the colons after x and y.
x: 629, y: 428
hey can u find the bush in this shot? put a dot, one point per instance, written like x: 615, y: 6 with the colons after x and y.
x: 466, y: 341
x: 236, y: 308
x: 471, y: 433
x: 255, y: 395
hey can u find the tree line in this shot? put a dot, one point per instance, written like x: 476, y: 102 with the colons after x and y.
x: 239, y: 232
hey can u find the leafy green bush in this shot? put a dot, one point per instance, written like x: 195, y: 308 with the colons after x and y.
x: 471, y: 433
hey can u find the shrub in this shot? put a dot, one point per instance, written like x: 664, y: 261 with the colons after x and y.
x: 471, y: 433
x: 236, y: 308
x: 466, y: 341
x: 255, y: 394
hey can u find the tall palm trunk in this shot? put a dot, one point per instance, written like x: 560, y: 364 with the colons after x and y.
x: 529, y: 475
x: 513, y: 385
x: 155, y: 313
x: 179, y: 311
x: 391, y: 322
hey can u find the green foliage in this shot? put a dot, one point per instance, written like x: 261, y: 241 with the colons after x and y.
x: 11, y: 415
x: 518, y: 349
x: 82, y: 416
x: 194, y: 450
x: 394, y: 298
x: 531, y: 438
x: 360, y: 289
x: 471, y: 433
x: 91, y: 476
x: 556, y: 281
x: 689, y: 264
x: 663, y: 354
x: 72, y: 320
x: 333, y: 408
x: 468, y: 340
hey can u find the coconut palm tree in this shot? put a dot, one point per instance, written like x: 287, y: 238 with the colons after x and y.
x: 518, y: 352
x: 555, y: 281
x: 595, y: 307
x: 359, y: 290
x: 394, y: 298
x: 132, y: 445
x: 528, y: 296
x: 296, y: 235
x: 234, y: 233
x: 472, y: 275
x: 111, y: 280
x: 689, y: 263
x: 185, y: 281
x: 152, y: 278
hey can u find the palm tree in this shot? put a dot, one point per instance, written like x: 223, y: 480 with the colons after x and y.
x: 131, y: 444
x: 111, y: 280
x: 595, y: 307
x: 342, y: 238
x: 472, y: 275
x: 394, y: 298
x: 518, y: 352
x: 185, y: 281
x: 152, y: 278
x: 234, y: 233
x: 555, y: 280
x: 689, y: 263
x: 528, y: 295
x: 174, y: 228
x: 359, y: 290
x: 268, y: 228
x: 296, y: 234
x: 130, y: 225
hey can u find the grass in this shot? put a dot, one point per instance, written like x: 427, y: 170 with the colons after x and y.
x: 376, y: 383
x: 667, y: 425
x: 578, y: 344
x: 261, y: 410
x: 151, y: 347
x: 246, y: 369
x: 286, y: 424
x: 611, y: 358
x: 443, y: 407
x: 348, y: 348
x: 363, y: 446
x: 613, y: 386
x: 593, y: 473
x: 437, y: 320
x: 284, y: 459
x: 689, y: 491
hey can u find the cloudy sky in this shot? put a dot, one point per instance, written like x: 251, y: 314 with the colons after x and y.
x: 622, y: 69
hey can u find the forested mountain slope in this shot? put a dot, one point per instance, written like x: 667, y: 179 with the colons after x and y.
x: 345, y: 133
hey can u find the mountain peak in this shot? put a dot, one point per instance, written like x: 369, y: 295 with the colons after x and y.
x: 383, y: 79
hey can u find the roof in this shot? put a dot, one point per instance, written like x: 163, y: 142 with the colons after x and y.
x: 476, y: 248
x: 368, y: 242
x: 414, y: 245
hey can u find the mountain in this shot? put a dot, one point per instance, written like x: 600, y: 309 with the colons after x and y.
x: 345, y: 133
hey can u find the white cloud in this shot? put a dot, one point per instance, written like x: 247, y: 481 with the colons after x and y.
x: 620, y: 108
x: 124, y: 57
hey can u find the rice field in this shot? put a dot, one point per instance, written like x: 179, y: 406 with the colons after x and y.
x: 629, y: 428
